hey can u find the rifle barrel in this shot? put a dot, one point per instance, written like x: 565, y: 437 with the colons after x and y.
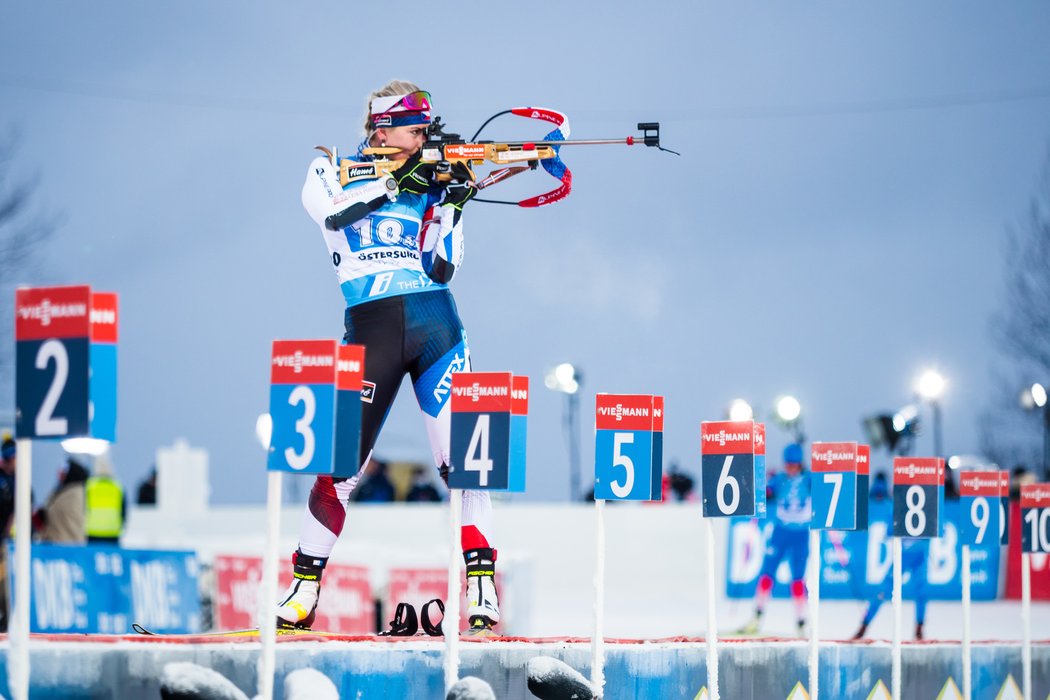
x: 629, y: 141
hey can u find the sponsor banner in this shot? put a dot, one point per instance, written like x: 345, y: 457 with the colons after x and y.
x: 481, y: 392
x: 519, y: 396
x: 624, y: 412
x: 857, y: 564
x: 1035, y: 496
x: 519, y: 431
x: 103, y: 590
x: 347, y: 606
x: 52, y: 312
x: 303, y: 362
x: 727, y: 437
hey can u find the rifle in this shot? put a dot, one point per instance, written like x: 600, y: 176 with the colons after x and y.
x: 514, y: 157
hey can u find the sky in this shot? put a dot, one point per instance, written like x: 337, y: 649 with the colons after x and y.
x: 834, y: 226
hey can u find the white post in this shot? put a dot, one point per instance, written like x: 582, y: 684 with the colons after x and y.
x: 597, y: 638
x: 1026, y: 622
x: 712, y: 623
x: 268, y: 588
x: 967, y: 678
x: 896, y: 678
x: 18, y: 632
x: 814, y: 614
x: 450, y: 623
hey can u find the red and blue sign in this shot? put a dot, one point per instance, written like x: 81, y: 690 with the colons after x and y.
x: 863, y: 485
x: 979, y: 499
x: 918, y: 497
x: 315, y: 404
x: 65, y: 363
x: 1035, y: 518
x: 727, y: 468
x: 833, y: 484
x: 519, y: 432
x: 482, y: 440
x: 628, y: 447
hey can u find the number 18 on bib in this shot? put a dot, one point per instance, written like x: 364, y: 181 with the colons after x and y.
x: 628, y: 447
x: 918, y: 497
x: 1035, y: 518
x: 315, y: 404
x: 727, y: 468
x: 65, y: 363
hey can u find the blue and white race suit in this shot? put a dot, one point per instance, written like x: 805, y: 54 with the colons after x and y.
x: 393, y: 268
x: 790, y: 536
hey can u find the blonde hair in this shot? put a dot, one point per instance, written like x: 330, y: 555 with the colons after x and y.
x: 394, y: 87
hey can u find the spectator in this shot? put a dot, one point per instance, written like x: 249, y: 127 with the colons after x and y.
x: 376, y: 488
x: 423, y: 489
x: 147, y: 495
x: 106, y: 507
x: 681, y: 484
x: 7, y: 488
x: 61, y: 519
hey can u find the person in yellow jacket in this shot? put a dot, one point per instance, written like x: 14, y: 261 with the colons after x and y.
x: 104, y: 505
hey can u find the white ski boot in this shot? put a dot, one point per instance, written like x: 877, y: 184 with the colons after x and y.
x: 298, y: 606
x: 482, y: 602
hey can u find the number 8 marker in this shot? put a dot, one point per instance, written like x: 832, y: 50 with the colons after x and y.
x: 918, y: 497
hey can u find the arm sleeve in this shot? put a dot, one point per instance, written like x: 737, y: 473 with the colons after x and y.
x: 442, y: 247
x: 323, y: 197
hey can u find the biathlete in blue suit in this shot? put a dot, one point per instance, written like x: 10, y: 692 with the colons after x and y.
x: 395, y: 241
x: 790, y: 539
x: 914, y: 555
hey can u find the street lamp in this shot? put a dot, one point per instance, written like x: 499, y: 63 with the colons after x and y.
x: 1034, y: 398
x: 566, y: 379
x: 789, y: 414
x: 930, y: 387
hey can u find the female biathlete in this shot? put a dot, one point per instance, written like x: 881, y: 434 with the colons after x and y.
x: 394, y: 250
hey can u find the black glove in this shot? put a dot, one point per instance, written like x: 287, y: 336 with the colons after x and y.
x: 462, y: 188
x: 414, y: 177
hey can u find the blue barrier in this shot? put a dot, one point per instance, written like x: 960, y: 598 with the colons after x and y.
x: 855, y: 564
x: 103, y: 589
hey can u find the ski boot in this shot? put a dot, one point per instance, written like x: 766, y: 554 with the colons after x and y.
x: 298, y: 606
x: 482, y: 603
x: 752, y: 625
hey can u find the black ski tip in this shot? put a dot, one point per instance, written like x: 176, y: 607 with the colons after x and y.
x: 470, y: 688
x: 142, y: 630
x: 551, y: 679
x: 188, y: 681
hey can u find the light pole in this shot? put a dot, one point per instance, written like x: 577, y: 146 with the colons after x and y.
x: 930, y: 386
x: 1032, y: 398
x: 566, y: 379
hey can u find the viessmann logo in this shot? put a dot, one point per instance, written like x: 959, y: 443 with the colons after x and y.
x: 348, y: 366
x: 722, y: 437
x: 465, y: 150
x: 978, y: 481
x: 829, y: 456
x: 913, y: 470
x: 620, y: 411
x: 476, y: 391
x: 45, y: 311
x: 519, y: 394
x: 299, y: 360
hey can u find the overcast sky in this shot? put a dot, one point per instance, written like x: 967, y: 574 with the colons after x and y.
x: 834, y: 225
